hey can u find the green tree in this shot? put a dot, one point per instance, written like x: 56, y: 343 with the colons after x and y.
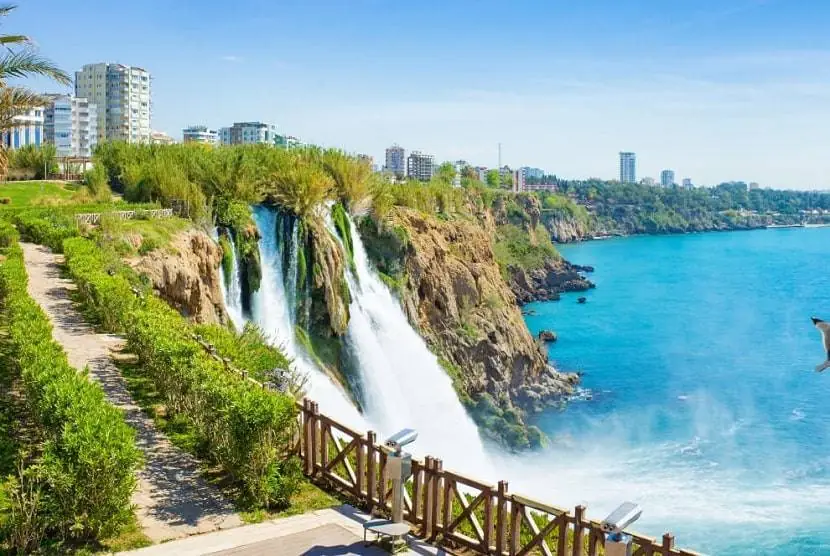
x: 493, y: 178
x: 18, y: 63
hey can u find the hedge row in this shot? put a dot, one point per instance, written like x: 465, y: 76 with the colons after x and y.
x: 46, y: 226
x: 86, y: 471
x: 246, y: 429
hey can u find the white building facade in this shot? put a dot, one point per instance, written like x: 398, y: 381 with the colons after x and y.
x: 628, y: 167
x: 248, y: 133
x: 396, y: 160
x: 27, y: 130
x: 71, y: 124
x: 122, y: 97
x: 200, y: 134
x: 420, y: 166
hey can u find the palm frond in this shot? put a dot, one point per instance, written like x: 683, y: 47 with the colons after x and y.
x: 15, y: 39
x: 27, y: 62
x: 6, y: 9
x: 15, y: 101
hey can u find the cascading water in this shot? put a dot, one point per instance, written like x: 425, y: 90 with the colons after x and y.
x: 273, y: 312
x: 232, y: 291
x: 402, y: 383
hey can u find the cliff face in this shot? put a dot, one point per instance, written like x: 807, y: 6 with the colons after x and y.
x: 186, y: 275
x: 452, y: 290
x: 564, y: 228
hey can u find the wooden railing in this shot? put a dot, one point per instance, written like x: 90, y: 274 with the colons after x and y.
x: 95, y: 217
x: 450, y: 509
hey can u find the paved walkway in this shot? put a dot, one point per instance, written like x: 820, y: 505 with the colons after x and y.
x: 332, y: 532
x: 172, y: 499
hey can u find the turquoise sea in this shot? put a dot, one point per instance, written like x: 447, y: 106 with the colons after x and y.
x: 702, y: 403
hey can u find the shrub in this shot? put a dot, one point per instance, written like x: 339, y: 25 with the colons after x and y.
x: 46, y: 226
x: 246, y: 429
x: 8, y: 234
x: 5, y: 200
x: 87, y: 467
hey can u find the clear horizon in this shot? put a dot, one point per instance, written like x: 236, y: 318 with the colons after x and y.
x: 714, y: 90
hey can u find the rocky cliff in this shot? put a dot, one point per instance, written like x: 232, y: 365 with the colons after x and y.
x: 186, y: 275
x: 452, y: 290
x: 564, y: 228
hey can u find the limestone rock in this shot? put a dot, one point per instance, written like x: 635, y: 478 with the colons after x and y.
x: 548, y: 336
x: 186, y: 275
x: 456, y: 296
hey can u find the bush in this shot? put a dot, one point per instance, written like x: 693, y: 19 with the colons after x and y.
x: 246, y: 429
x: 96, y: 183
x: 46, y: 226
x: 5, y: 200
x: 87, y: 467
x: 8, y: 234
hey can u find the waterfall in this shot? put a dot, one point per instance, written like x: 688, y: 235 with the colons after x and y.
x: 232, y: 292
x: 402, y: 383
x: 274, y: 313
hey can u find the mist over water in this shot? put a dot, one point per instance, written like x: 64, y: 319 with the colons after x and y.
x: 699, y: 353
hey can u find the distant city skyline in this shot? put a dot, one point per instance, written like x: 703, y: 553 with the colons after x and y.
x: 718, y: 89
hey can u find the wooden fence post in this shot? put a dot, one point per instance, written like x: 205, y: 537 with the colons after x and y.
x: 438, y: 466
x: 668, y: 544
x: 307, y: 423
x: 579, y: 515
x: 361, y: 468
x: 515, y: 527
x: 371, y: 481
x: 429, y: 475
x: 416, y: 492
x: 487, y: 542
x: 325, y: 431
x: 501, y: 516
x: 315, y: 419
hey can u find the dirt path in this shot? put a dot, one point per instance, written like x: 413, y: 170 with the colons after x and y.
x: 172, y: 499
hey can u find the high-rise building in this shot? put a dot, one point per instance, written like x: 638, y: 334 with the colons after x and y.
x: 396, y: 160
x: 519, y: 180
x: 420, y: 166
x: 628, y: 167
x: 27, y: 130
x: 534, y: 173
x: 667, y: 178
x: 71, y: 124
x: 687, y: 183
x: 754, y: 185
x: 199, y: 134
x: 248, y: 133
x: 122, y: 97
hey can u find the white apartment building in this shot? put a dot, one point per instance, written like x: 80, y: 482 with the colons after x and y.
x: 628, y: 167
x: 71, y: 124
x: 248, y: 133
x: 396, y: 160
x: 27, y: 130
x: 420, y: 166
x: 122, y: 96
x: 200, y: 134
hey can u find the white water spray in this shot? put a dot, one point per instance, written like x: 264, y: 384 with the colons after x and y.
x: 275, y: 315
x: 402, y: 382
x: 232, y: 292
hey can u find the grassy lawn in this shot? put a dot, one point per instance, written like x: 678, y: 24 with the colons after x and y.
x: 140, y: 236
x: 24, y: 193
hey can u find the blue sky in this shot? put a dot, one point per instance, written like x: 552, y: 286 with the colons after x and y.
x: 714, y: 89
